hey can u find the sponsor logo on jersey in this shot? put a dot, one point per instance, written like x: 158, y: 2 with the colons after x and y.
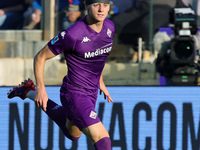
x: 54, y: 40
x: 109, y: 32
x: 93, y: 115
x: 99, y: 51
x: 85, y: 39
x: 63, y: 34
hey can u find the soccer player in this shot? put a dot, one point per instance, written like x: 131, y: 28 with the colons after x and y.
x: 86, y: 46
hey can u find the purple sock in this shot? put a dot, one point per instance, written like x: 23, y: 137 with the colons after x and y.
x: 57, y: 113
x: 103, y: 144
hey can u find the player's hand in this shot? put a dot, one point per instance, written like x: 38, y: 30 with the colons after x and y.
x: 107, y: 96
x: 41, y: 99
x: 36, y: 16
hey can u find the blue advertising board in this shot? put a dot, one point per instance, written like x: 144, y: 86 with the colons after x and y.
x: 151, y: 118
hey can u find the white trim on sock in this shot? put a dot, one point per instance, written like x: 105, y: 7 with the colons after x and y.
x: 31, y: 95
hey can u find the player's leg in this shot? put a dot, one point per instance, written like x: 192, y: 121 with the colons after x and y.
x: 99, y: 136
x: 73, y: 130
x: 82, y: 107
x: 56, y: 112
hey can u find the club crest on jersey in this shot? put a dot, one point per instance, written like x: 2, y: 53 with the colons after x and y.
x: 54, y: 40
x: 93, y: 115
x: 109, y: 32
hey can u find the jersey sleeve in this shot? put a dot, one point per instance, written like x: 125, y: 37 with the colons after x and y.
x: 62, y: 42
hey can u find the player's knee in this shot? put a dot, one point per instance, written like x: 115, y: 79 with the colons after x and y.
x: 72, y: 137
x: 104, y: 143
x: 68, y: 135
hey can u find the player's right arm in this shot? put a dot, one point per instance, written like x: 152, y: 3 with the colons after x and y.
x: 39, y: 63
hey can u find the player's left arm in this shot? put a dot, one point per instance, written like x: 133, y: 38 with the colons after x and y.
x: 39, y: 63
x: 104, y: 90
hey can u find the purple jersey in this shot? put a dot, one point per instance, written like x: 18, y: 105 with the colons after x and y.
x: 85, y: 51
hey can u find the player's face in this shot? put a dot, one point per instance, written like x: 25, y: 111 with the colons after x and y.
x: 99, y: 11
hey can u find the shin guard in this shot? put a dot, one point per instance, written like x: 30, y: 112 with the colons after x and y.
x: 56, y: 112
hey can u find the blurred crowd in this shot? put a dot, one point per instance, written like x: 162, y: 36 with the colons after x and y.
x: 131, y: 17
x: 27, y: 14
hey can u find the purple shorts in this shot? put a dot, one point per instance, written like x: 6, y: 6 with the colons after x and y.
x: 80, y: 105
